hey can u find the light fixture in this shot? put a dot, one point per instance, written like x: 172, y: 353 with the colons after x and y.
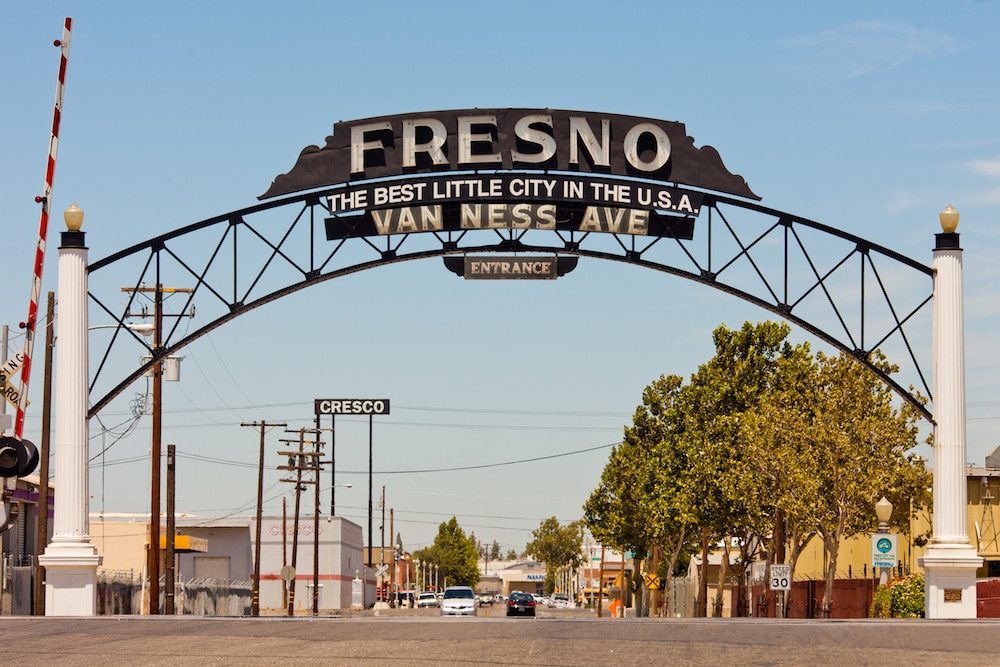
x: 949, y: 219
x: 883, y: 510
x: 73, y: 217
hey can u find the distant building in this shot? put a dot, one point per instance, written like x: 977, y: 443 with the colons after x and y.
x: 229, y: 555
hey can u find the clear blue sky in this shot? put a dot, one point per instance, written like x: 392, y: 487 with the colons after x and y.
x: 868, y: 117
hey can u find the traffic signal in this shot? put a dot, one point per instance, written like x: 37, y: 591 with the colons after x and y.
x: 17, y: 457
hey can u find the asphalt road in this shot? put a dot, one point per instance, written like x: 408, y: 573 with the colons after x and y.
x: 552, y: 640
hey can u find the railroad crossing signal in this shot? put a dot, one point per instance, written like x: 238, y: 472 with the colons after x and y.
x: 381, y: 570
x: 652, y: 580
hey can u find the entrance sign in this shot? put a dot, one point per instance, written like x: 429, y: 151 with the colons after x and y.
x: 510, y: 268
x: 352, y: 406
x: 506, y: 139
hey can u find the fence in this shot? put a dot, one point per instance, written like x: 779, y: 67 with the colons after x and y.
x: 119, y: 593
x: 215, y: 597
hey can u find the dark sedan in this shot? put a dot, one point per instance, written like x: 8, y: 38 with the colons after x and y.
x: 521, y: 604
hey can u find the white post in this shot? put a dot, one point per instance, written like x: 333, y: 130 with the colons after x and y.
x: 950, y: 561
x: 71, y: 560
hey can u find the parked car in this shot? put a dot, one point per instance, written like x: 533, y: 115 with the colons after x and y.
x: 458, y: 601
x: 427, y: 599
x: 539, y: 598
x: 521, y: 604
x: 559, y: 601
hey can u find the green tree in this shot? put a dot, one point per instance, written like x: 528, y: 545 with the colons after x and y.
x: 557, y: 546
x: 454, y: 554
x: 860, y: 446
x: 730, y: 501
x: 641, y: 504
x: 495, y: 551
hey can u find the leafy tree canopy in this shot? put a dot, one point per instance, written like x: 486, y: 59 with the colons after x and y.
x: 454, y: 554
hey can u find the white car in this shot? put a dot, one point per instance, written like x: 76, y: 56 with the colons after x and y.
x: 458, y: 601
x: 559, y: 601
x: 427, y: 599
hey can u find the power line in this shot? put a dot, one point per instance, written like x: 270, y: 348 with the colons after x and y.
x: 490, y: 465
x: 242, y: 464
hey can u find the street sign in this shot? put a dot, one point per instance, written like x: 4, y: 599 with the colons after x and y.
x: 7, y: 371
x: 652, y: 580
x: 781, y: 577
x: 884, y: 550
x: 352, y: 406
x: 287, y: 572
x: 381, y: 570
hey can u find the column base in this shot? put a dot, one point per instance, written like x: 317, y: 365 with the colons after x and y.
x: 950, y: 581
x: 70, y: 579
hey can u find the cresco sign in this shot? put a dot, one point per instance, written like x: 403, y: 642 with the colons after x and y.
x: 352, y: 406
x: 509, y: 139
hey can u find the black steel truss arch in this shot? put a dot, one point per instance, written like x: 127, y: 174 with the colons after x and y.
x: 854, y: 295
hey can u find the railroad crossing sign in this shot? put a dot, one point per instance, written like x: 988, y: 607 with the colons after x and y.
x: 652, y: 580
x: 381, y: 570
x: 781, y: 577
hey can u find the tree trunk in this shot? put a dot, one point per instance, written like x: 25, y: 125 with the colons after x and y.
x: 703, y: 579
x: 721, y: 585
x: 831, y: 572
x: 668, y: 586
x: 641, y: 600
x: 798, y: 546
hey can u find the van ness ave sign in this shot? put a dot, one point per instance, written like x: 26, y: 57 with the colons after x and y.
x: 507, y: 139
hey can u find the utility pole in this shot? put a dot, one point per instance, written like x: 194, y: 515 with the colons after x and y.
x: 255, y: 604
x: 42, y: 538
x: 284, y: 549
x: 302, y: 461
x: 157, y: 426
x: 381, y: 528
x: 168, y: 593
x: 395, y: 561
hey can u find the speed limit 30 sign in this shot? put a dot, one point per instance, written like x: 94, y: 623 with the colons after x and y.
x: 781, y: 577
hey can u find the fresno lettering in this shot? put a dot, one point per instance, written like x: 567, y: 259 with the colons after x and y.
x: 505, y: 140
x: 537, y: 141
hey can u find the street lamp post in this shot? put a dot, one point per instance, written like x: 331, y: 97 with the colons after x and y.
x: 883, y: 510
x: 71, y: 560
x: 950, y: 561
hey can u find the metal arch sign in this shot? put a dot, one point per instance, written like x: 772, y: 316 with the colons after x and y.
x: 511, y: 169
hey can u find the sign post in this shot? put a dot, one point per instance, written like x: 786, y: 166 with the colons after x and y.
x: 358, y: 406
x: 884, y: 554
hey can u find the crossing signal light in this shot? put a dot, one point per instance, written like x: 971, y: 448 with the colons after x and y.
x: 18, y: 458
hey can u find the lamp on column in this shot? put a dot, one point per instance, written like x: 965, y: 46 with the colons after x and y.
x: 949, y: 220
x: 70, y: 559
x: 950, y: 561
x: 883, y: 510
x: 73, y: 216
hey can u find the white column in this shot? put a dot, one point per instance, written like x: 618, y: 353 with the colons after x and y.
x: 71, y: 560
x: 950, y: 561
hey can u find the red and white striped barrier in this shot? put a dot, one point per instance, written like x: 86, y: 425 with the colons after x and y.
x: 45, y: 200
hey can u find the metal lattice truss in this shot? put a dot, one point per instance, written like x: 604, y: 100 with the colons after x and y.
x: 855, y: 295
